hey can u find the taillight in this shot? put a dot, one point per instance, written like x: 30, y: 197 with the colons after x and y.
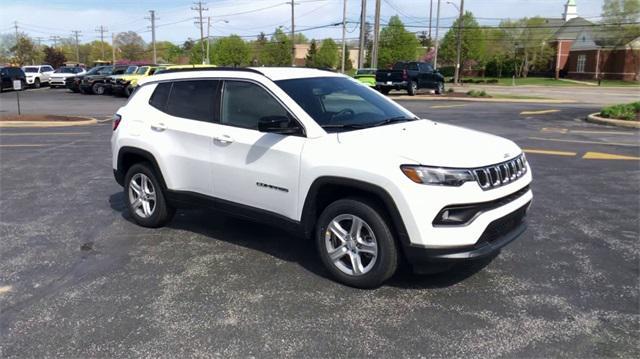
x: 116, y: 121
x: 404, y: 74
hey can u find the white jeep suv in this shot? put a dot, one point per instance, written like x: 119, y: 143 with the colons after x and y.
x: 37, y: 75
x: 324, y: 156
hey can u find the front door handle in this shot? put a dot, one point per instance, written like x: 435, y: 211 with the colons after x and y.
x: 223, y: 139
x: 159, y: 127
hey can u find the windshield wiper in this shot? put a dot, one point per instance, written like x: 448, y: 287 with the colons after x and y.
x: 396, y: 119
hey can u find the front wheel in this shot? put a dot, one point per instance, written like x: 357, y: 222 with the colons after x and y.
x: 356, y: 244
x: 127, y: 91
x: 36, y: 83
x: 97, y: 89
x: 385, y: 90
x: 145, y: 199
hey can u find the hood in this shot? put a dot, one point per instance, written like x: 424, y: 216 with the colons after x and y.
x: 63, y: 75
x: 130, y: 77
x: 116, y: 77
x: 434, y: 144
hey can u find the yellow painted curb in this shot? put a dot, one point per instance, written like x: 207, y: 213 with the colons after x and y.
x: 610, y: 121
x: 15, y: 124
x: 607, y: 156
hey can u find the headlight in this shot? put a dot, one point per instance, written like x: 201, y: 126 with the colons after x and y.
x: 437, y: 176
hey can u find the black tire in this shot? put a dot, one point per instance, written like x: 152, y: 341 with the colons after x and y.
x: 385, y: 90
x: 413, y: 88
x: 440, y: 88
x: 162, y: 211
x: 36, y: 83
x: 97, y: 89
x: 24, y: 85
x: 387, y: 253
x: 127, y: 91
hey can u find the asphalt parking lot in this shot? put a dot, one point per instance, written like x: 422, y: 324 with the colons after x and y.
x: 79, y: 279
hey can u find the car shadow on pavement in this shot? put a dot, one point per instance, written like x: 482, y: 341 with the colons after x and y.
x: 280, y: 244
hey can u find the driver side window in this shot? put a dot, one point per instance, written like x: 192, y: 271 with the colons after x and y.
x: 244, y: 104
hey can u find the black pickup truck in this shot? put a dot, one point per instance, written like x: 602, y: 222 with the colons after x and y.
x: 410, y: 76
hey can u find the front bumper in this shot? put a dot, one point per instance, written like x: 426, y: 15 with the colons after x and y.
x: 497, y: 235
x: 57, y: 81
x: 30, y: 80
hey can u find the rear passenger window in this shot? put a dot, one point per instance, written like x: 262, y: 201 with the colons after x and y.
x: 160, y: 96
x: 194, y: 100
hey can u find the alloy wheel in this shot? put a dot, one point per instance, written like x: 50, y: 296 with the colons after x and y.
x: 351, y: 245
x: 142, y: 195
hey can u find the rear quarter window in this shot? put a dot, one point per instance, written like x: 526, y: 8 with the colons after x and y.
x: 160, y: 96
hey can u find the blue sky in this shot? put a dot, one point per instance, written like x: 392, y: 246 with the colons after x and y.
x: 40, y: 18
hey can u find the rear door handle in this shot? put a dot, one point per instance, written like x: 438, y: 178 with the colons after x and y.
x: 223, y: 139
x: 158, y: 126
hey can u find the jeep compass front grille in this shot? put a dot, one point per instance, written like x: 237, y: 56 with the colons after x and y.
x: 501, y: 174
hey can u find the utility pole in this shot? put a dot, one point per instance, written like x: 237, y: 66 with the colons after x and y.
x: 376, y: 35
x: 76, y: 33
x: 152, y: 17
x: 102, y: 30
x: 15, y: 25
x: 55, y: 39
x: 459, y: 46
x: 430, y: 12
x: 363, y: 29
x: 199, y: 8
x: 344, y: 32
x: 435, y: 55
x: 39, y: 39
x: 208, y: 38
x: 113, y: 48
x: 293, y: 32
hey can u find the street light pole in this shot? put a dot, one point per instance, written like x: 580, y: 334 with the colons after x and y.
x: 435, y: 55
x: 459, y: 45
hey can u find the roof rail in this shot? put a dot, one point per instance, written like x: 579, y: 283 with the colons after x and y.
x: 190, y: 69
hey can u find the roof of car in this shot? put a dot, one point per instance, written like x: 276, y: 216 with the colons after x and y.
x: 273, y: 73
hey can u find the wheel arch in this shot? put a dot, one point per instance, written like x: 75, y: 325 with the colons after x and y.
x: 128, y: 156
x: 325, y: 190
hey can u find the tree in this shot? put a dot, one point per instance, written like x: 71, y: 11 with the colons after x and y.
x: 348, y: 64
x: 528, y: 41
x: 472, y: 42
x: 7, y: 41
x: 327, y: 56
x: 278, y: 50
x: 299, y: 38
x: 195, y: 54
x: 310, y: 59
x: 258, y: 48
x: 396, y: 43
x: 167, y: 52
x: 130, y: 46
x: 54, y: 57
x: 232, y: 51
x: 620, y: 27
x: 24, y: 51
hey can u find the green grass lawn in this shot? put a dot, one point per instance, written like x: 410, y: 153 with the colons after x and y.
x: 546, y: 81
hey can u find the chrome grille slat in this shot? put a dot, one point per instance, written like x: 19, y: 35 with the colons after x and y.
x: 500, y: 174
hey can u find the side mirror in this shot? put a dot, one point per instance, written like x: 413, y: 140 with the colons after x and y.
x: 276, y: 124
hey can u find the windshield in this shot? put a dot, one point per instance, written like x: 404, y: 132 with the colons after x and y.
x: 142, y: 70
x: 68, y: 70
x: 30, y: 69
x: 130, y: 70
x: 95, y: 70
x: 338, y: 103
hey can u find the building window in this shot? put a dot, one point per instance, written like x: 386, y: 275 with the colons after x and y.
x: 582, y: 60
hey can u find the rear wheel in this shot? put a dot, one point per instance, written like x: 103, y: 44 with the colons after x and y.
x: 145, y: 199
x: 385, y: 90
x: 413, y: 88
x: 356, y: 244
x: 440, y: 88
x: 127, y: 91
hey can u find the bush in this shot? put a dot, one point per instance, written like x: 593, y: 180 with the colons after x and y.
x: 629, y: 112
x: 450, y: 90
x: 476, y: 93
x: 492, y: 81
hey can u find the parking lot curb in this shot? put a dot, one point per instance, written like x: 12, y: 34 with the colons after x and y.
x: 475, y: 99
x: 16, y: 124
x: 594, y: 118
